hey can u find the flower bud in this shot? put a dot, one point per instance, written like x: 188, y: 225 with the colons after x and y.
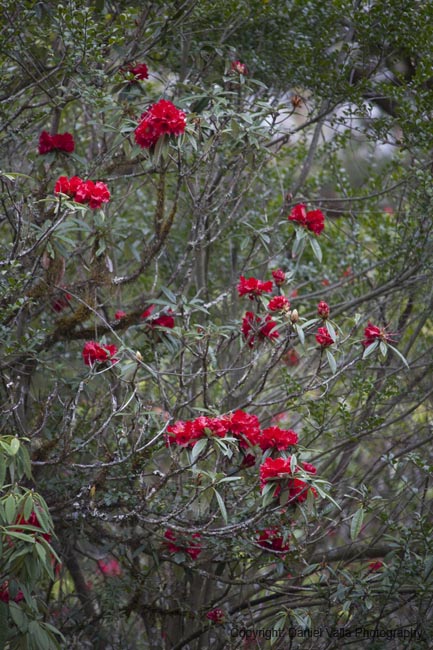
x: 138, y: 356
x: 294, y: 316
x: 323, y: 310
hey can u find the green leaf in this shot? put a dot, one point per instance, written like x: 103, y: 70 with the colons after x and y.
x: 356, y: 523
x: 10, y: 509
x: 300, y: 333
x: 221, y: 505
x: 399, y: 354
x: 331, y: 330
x: 2, y: 471
x: 370, y: 349
x: 14, y: 446
x: 383, y: 348
x: 18, y: 616
x: 198, y: 448
x: 331, y: 361
x: 316, y: 248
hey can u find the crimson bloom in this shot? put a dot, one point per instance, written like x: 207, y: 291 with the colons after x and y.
x: 192, y: 548
x: 373, y: 333
x: 280, y: 468
x: 216, y: 616
x: 5, y: 595
x: 60, y: 141
x: 254, y: 327
x: 253, y: 287
x: 276, y: 438
x: 32, y: 521
x: 162, y: 118
x: 279, y: 277
x: 279, y: 303
x: 239, y: 67
x: 110, y: 567
x: 61, y: 302
x: 274, y: 468
x: 272, y: 540
x: 164, y: 320
x: 291, y: 358
x: 140, y: 71
x: 323, y: 337
x: 95, y: 353
x: 313, y: 220
x: 245, y: 427
x: 92, y: 193
x: 323, y: 310
x: 119, y: 314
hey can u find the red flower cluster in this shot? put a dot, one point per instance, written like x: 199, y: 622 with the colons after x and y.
x: 373, y: 333
x: 239, y: 67
x: 216, y: 616
x: 94, y: 194
x: 279, y: 468
x: 253, y: 287
x: 61, y: 302
x: 276, y: 438
x: 163, y: 118
x: 140, y: 71
x: 323, y: 310
x: 110, y: 567
x: 375, y: 566
x: 279, y: 303
x: 59, y: 141
x: 193, y: 549
x: 323, y: 337
x: 241, y: 425
x: 291, y: 358
x: 254, y: 327
x: 32, y: 521
x: 279, y: 277
x: 5, y: 595
x: 119, y: 314
x: 271, y: 540
x: 314, y: 220
x: 165, y: 320
x: 95, y: 353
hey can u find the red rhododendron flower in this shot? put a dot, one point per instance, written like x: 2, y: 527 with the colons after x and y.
x: 298, y: 490
x: 93, y: 353
x: 326, y: 282
x: 291, y: 358
x: 119, y: 314
x: 274, y: 468
x: 186, y: 434
x: 163, y: 118
x: 253, y: 287
x: 276, y: 438
x: 193, y: 549
x: 140, y: 71
x: 279, y: 277
x: 216, y: 616
x: 244, y: 426
x: 5, y: 595
x: 95, y: 194
x: 249, y: 460
x: 256, y: 327
x: 32, y: 521
x: 164, y: 320
x: 69, y: 186
x: 110, y: 567
x: 308, y: 467
x: 239, y: 67
x: 314, y: 220
x: 323, y: 337
x: 373, y: 333
x: 375, y: 566
x: 279, y: 303
x: 323, y: 309
x: 272, y: 540
x: 60, y: 303
x: 59, y: 141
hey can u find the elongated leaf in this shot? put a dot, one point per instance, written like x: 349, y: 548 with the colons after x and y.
x: 197, y: 449
x: 370, y: 349
x: 14, y: 446
x: 331, y: 361
x: 356, y: 523
x: 221, y: 505
x: 316, y: 248
x: 399, y: 354
x: 300, y: 333
x: 331, y: 330
x: 10, y: 509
